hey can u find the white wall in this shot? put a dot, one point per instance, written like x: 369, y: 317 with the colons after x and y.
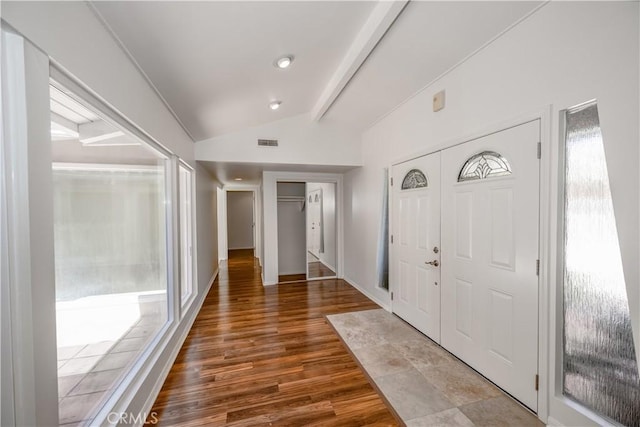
x: 301, y: 141
x: 207, y: 223
x: 77, y: 42
x: 328, y: 257
x: 292, y: 252
x: 71, y: 35
x: 270, y: 180
x: 240, y: 219
x: 564, y: 54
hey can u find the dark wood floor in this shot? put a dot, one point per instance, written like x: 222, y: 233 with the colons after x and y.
x: 267, y: 356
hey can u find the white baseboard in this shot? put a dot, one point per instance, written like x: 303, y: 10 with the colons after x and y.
x: 382, y: 304
x: 553, y: 422
x: 243, y: 248
x: 290, y: 273
x: 153, y: 395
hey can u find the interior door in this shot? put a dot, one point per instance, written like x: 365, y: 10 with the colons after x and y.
x: 415, y: 270
x: 490, y: 207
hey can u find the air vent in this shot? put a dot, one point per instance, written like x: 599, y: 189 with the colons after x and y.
x: 268, y: 142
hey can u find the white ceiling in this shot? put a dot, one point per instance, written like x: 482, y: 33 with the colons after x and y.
x: 212, y: 61
x: 427, y: 39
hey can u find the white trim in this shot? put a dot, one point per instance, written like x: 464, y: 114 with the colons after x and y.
x: 547, y: 226
x: 257, y: 217
x: 366, y: 293
x: 133, y: 60
x: 25, y: 104
x: 106, y: 167
x: 64, y: 81
x: 496, y: 127
x: 270, y: 181
x: 240, y: 249
x: 221, y: 214
x: 186, y: 304
x: 157, y: 386
x: 553, y: 422
x: 381, y: 18
x: 465, y: 59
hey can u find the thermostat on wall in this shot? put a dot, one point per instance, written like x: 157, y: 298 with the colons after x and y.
x: 438, y: 101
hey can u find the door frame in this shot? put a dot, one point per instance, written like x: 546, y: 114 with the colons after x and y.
x: 223, y: 244
x: 270, y: 181
x: 549, y: 290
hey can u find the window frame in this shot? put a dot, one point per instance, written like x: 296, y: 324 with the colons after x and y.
x: 130, y: 385
x: 193, y: 294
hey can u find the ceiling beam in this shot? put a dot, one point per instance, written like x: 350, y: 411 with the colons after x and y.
x: 380, y: 20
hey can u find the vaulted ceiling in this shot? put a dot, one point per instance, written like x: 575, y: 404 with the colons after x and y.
x: 354, y: 61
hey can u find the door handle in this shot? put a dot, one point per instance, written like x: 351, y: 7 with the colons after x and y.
x: 435, y: 263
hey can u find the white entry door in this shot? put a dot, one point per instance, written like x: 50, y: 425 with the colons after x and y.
x: 415, y: 267
x: 490, y: 205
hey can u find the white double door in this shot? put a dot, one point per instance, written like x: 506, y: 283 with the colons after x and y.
x: 486, y: 301
x: 415, y: 252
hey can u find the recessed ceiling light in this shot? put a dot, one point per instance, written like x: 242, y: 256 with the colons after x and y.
x: 284, y: 61
x: 237, y: 179
x: 275, y: 105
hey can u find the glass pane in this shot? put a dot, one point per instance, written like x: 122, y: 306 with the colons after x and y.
x: 186, y: 235
x: 110, y: 254
x: 321, y: 230
x: 599, y: 365
x: 414, y: 179
x: 484, y: 165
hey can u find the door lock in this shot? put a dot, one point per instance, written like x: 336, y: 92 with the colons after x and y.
x: 435, y: 263
x: 435, y: 250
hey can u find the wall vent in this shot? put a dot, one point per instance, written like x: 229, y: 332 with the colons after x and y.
x: 268, y: 142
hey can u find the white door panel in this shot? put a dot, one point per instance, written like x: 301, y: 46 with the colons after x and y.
x: 489, y: 252
x: 416, y: 231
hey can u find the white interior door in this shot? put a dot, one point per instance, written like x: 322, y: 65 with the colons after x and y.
x: 415, y: 270
x: 490, y: 216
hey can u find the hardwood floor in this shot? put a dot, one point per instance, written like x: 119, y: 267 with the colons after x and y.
x: 292, y: 278
x: 267, y: 356
x: 318, y: 269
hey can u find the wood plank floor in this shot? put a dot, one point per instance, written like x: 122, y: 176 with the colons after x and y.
x: 267, y: 356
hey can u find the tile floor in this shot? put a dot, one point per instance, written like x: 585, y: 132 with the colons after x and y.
x: 87, y: 372
x: 425, y: 385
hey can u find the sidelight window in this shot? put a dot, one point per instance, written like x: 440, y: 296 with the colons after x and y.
x: 600, y: 368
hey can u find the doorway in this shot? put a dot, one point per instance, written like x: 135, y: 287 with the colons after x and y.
x: 240, y: 220
x: 321, y: 230
x: 486, y: 300
x: 306, y: 231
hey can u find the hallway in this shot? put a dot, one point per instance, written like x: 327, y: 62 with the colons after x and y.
x: 261, y: 355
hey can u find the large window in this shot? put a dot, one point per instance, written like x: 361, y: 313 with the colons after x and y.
x: 185, y: 179
x: 600, y: 368
x: 110, y: 226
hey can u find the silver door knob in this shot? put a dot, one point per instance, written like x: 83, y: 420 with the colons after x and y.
x: 435, y: 263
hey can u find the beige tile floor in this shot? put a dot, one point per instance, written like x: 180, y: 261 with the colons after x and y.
x: 87, y: 372
x: 425, y: 385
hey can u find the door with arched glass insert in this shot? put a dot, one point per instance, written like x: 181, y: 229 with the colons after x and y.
x: 415, y: 257
x: 490, y: 203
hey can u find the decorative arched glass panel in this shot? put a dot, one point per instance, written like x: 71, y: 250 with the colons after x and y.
x: 414, y: 179
x: 484, y: 165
